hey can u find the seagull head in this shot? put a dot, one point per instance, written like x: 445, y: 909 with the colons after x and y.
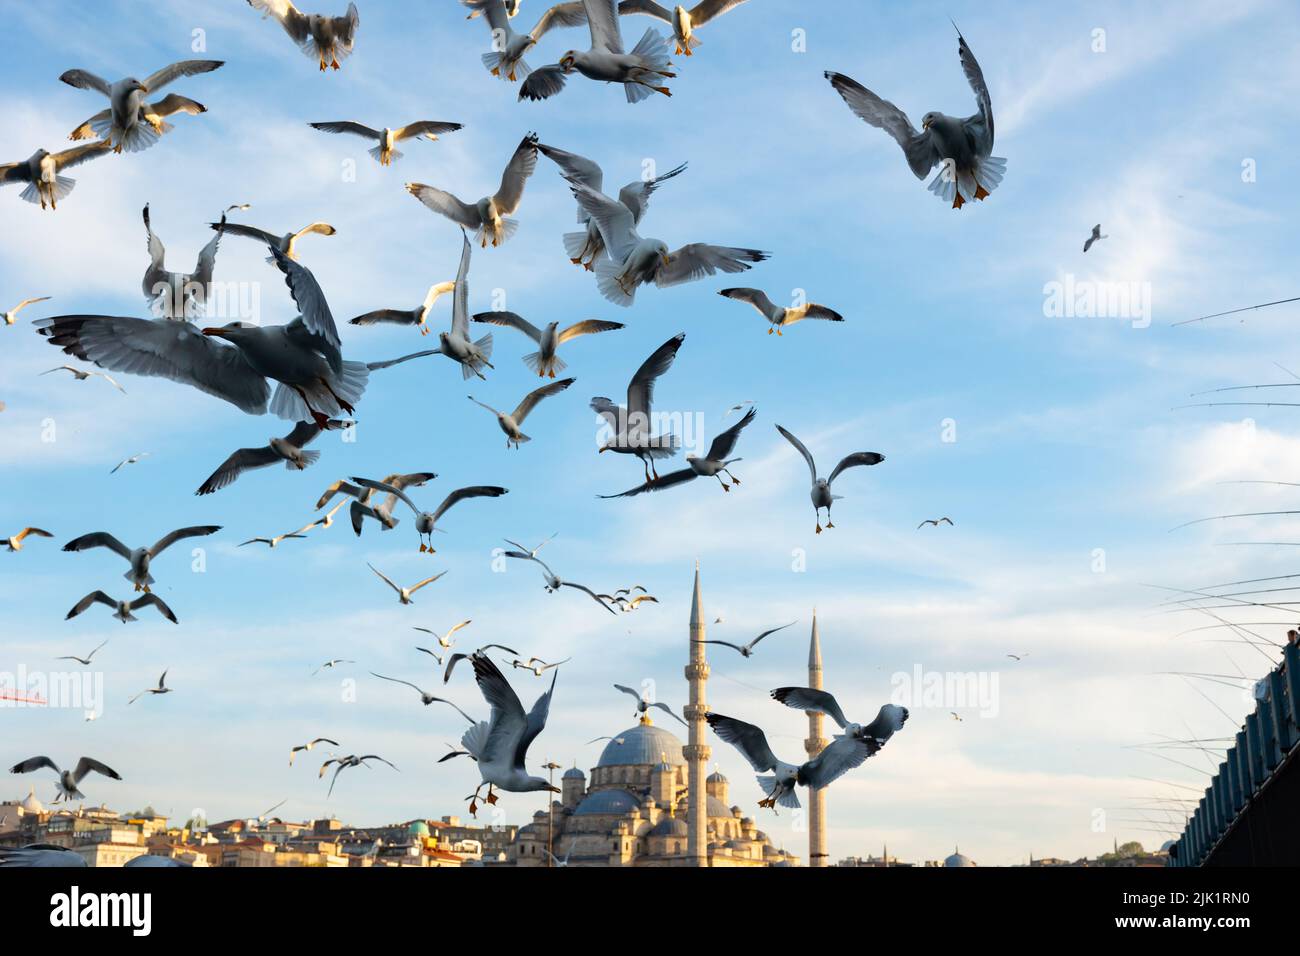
x: 569, y: 62
x: 231, y: 331
x: 929, y: 119
x: 134, y: 84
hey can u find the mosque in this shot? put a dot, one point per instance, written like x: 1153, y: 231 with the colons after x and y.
x: 639, y: 807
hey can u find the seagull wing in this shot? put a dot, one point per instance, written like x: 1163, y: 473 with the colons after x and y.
x: 542, y: 84
x: 668, y: 710
x: 94, y: 597
x: 196, y: 531
x: 98, y: 539
x: 386, y: 488
x: 473, y: 491
x: 310, y: 299
x: 174, y: 71
x: 535, y: 722
x: 416, y: 587
x: 707, y: 10
x: 86, y: 764
x: 445, y: 204
x: 373, y: 366
x: 383, y: 578
x: 460, y: 295
x: 151, y: 598
x: 575, y: 168
x: 807, y: 455
x: 641, y: 390
x: 511, y: 320
x: 854, y: 460
x: 34, y: 763
x: 586, y: 590
x: 587, y: 327
x: 347, y: 126
x: 234, y: 466
x: 812, y: 700
x: 980, y: 126
x: 748, y: 739
x: 636, y: 195
x: 428, y: 128
x: 647, y: 7
x: 816, y: 311
x: 629, y: 691
x: 536, y: 395
x: 699, y: 259
x: 614, y: 220
x: 80, y: 154
x: 507, y: 722
x: 602, y: 17
x: 669, y: 480
x: 839, y: 757
x: 397, y: 316
x: 84, y: 80
x: 572, y: 14
x: 248, y: 232
x: 919, y: 148
x: 755, y: 641
x: 517, y: 171
x: 725, y: 443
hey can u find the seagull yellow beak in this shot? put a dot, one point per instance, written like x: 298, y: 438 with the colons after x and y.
x: 667, y: 260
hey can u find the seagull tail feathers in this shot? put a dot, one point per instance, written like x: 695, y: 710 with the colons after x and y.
x: 575, y: 243
x: 607, y: 271
x: 141, y: 136
x: 534, y: 362
x: 308, y: 458
x: 62, y: 186
x: 378, y: 151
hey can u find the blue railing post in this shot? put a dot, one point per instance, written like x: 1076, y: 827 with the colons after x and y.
x: 1282, y: 724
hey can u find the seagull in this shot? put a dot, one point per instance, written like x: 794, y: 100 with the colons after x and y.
x: 130, y: 125
x: 643, y: 704
x: 176, y: 295
x: 444, y: 641
x: 631, y: 425
x: 10, y: 317
x: 68, y: 779
x: 736, y: 408
x: 352, y: 760
x: 821, y: 488
x: 83, y: 661
x: 15, y: 543
x: 139, y: 558
x: 635, y: 602
x: 388, y: 138
x: 362, y: 508
x: 129, y: 461
x: 508, y: 47
x: 889, y: 720
x: 510, y: 423
x: 425, y: 697
x: 425, y: 521
x: 287, y: 243
x: 934, y: 521
x: 330, y: 664
x: 712, y: 465
x: 160, y: 689
x: 418, y: 316
x: 585, y: 247
x: 81, y: 375
x: 531, y: 552
x: 840, y: 756
x: 777, y: 316
x: 272, y: 542
x: 536, y: 665
x: 499, y: 745
x: 488, y: 215
x: 684, y: 22
x: 1096, y: 235
x: 960, y: 147
x: 404, y: 594
x: 41, y: 171
x: 747, y: 650
x: 326, y: 521
x: 544, y: 361
x: 308, y: 745
x: 642, y: 72
x: 955, y: 716
x: 617, y: 740
x: 553, y: 580
x: 1018, y: 657
x: 326, y: 39
x: 40, y: 855
x: 155, y: 114
x: 633, y: 261
x: 437, y: 658
x: 289, y: 449
x: 122, y: 609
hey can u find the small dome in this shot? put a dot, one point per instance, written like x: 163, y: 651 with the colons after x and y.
x: 607, y: 801
x: 31, y: 805
x: 669, y: 826
x: 149, y: 812
x: 418, y: 828
x: 717, y: 808
x: 715, y: 777
x: 573, y: 773
x: 957, y: 859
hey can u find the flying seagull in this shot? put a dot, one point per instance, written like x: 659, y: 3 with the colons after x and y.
x: 536, y: 665
x: 162, y: 688
x: 352, y: 760
x: 510, y: 424
x: 553, y: 581
x: 444, y: 640
x: 387, y: 138
x: 42, y: 173
x: 934, y: 521
x: 272, y: 542
x: 82, y: 374
x: 821, y: 488
x: 684, y: 22
x: 617, y: 740
x: 747, y: 650
x: 712, y: 465
x: 287, y: 243
x: 544, y: 361
x: 176, y: 295
x: 289, y: 449
x: 425, y: 697
x: 506, y: 59
x: 68, y: 779
x: 643, y: 704
x: 425, y: 521
x: 631, y: 426
x: 777, y: 316
x: 122, y: 609
x: 140, y: 558
x: 362, y: 508
x: 404, y: 594
x: 325, y: 39
x: 836, y: 759
x: 330, y: 664
x: 1096, y: 236
x: 889, y: 720
x: 83, y: 661
x: 960, y: 147
x: 308, y: 745
x: 10, y: 317
x: 134, y: 459
x: 489, y: 215
x: 154, y: 114
x: 419, y: 316
x: 15, y: 543
x: 130, y: 126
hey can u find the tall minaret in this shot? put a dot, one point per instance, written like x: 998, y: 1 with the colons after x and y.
x: 813, y: 746
x: 697, y: 752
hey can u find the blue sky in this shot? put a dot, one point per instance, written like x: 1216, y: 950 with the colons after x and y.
x: 1066, y: 437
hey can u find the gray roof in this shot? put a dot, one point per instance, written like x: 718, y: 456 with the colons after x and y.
x: 643, y: 745
x: 669, y: 826
x: 573, y: 773
x: 608, y: 801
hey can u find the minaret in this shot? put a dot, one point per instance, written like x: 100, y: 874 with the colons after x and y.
x: 813, y: 746
x: 697, y: 752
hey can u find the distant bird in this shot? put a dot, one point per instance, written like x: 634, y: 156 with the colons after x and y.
x: 633, y: 603
x: 544, y: 361
x: 955, y: 716
x: 821, y: 487
x: 425, y: 522
x: 934, y: 521
x: 122, y: 609
x: 1095, y: 237
x: 553, y: 580
x: 325, y: 39
x: 444, y: 641
x: 404, y: 594
x: 42, y: 173
x: 684, y: 22
x: 10, y: 317
x: 736, y: 408
x: 630, y: 426
x: 536, y: 665
x: 130, y: 125
x: 272, y: 542
x: 840, y: 756
x: 331, y: 664
x: 425, y: 697
x: 68, y: 779
x: 643, y: 704
x: 287, y: 243
x: 15, y: 543
x: 289, y: 449
x: 1018, y: 657
x: 40, y: 855
x: 326, y: 521
x: 889, y: 719
x: 499, y: 745
x: 960, y: 147
x: 419, y: 316
x: 140, y: 558
x: 387, y: 139
x: 176, y: 295
x: 747, y: 650
x: 81, y: 375
x: 83, y: 661
x: 777, y: 316
x: 352, y: 760
x: 510, y: 424
x: 713, y: 465
x: 531, y: 552
x: 489, y: 215
x: 162, y: 688
x: 308, y: 745
x: 508, y: 47
x: 617, y: 740
x: 134, y: 459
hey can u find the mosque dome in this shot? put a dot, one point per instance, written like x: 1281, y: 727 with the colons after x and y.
x: 717, y: 808
x: 418, y: 828
x: 957, y: 859
x: 642, y: 745
x: 573, y: 773
x: 608, y: 801
x: 669, y: 826
x: 715, y: 777
x: 30, y: 804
